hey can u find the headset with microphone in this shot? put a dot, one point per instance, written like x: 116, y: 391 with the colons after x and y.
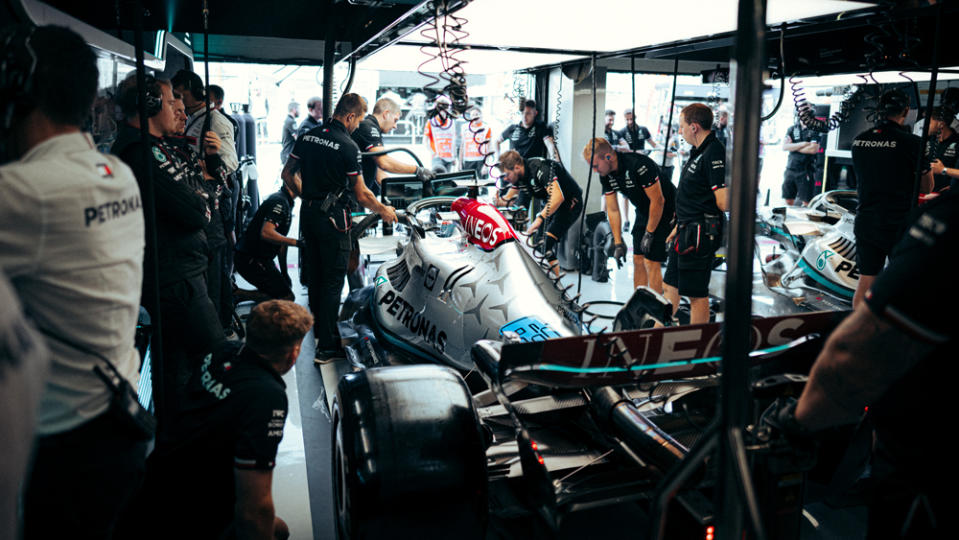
x: 128, y: 97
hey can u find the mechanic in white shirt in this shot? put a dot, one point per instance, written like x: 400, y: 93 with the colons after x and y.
x: 71, y: 243
x: 190, y: 87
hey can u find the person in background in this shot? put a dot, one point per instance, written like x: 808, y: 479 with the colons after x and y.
x: 369, y: 137
x: 314, y: 116
x: 476, y: 137
x: 288, y: 138
x: 441, y: 133
x: 190, y: 87
x: 634, y: 135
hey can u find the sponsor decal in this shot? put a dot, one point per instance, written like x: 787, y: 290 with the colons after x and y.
x: 530, y: 329
x: 486, y: 227
x: 110, y: 210
x: 212, y: 385
x: 850, y: 269
x: 874, y: 144
x: 322, y: 142
x: 821, y: 260
x: 414, y: 320
x: 159, y: 155
x: 379, y: 281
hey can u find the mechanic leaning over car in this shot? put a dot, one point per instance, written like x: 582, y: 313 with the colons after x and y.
x: 71, y: 243
x: 216, y: 467
x: 329, y: 164
x: 637, y: 177
x: 190, y: 323
x: 264, y: 240
x: 700, y: 202
x: 369, y: 137
x: 884, y: 158
x: 545, y: 180
x: 894, y: 357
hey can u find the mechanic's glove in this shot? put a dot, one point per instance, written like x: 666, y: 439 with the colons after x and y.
x: 301, y: 243
x: 423, y: 174
x: 781, y: 416
x: 618, y: 253
x: 646, y: 244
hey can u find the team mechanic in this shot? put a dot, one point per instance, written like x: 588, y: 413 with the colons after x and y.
x: 944, y: 147
x: 264, y: 240
x: 190, y: 323
x: 71, y: 242
x: 545, y: 180
x: 369, y: 137
x: 802, y: 144
x: 700, y: 203
x: 884, y: 159
x: 637, y: 178
x: 895, y: 358
x: 329, y: 164
x: 216, y: 470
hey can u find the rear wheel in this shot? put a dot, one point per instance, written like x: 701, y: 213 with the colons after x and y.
x: 409, y: 458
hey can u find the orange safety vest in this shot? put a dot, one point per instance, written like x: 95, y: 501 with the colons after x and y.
x: 480, y: 132
x: 441, y: 138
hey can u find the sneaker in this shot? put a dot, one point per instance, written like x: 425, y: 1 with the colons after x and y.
x: 326, y: 356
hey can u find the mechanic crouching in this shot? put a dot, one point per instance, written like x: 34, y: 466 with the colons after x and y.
x: 264, y: 240
x: 700, y: 202
x: 545, y: 180
x: 637, y: 177
x: 894, y: 358
x: 190, y: 324
x: 323, y: 169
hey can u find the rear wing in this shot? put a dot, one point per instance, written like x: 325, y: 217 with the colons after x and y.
x: 660, y: 353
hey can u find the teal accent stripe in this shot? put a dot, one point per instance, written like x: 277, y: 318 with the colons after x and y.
x: 819, y: 278
x: 648, y: 367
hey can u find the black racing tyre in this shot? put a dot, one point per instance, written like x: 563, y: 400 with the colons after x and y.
x: 409, y: 458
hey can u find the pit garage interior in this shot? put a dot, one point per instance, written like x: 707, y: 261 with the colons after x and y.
x: 725, y: 482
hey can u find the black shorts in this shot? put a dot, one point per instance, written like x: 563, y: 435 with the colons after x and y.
x: 689, y: 273
x: 796, y: 185
x: 564, y: 217
x: 263, y: 274
x: 658, y: 253
x: 871, y: 255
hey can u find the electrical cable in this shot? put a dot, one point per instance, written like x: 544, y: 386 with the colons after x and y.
x: 782, y: 74
x: 808, y: 117
x: 444, y: 32
x: 589, y: 178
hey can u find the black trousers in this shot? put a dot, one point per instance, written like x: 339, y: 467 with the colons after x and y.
x: 82, y: 480
x: 263, y: 274
x: 219, y: 284
x: 327, y: 256
x: 191, y: 329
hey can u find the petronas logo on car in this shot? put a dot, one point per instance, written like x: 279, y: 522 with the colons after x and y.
x: 821, y: 261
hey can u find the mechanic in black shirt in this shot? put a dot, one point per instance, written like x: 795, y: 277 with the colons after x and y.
x: 531, y: 138
x: 264, y: 240
x: 289, y: 131
x: 637, y: 177
x: 328, y: 163
x: 896, y: 356
x: 369, y: 137
x: 611, y: 134
x: 314, y: 116
x: 190, y: 324
x: 884, y: 159
x: 634, y: 135
x: 212, y: 476
x: 700, y: 202
x: 802, y: 144
x: 943, y: 146
x: 545, y: 180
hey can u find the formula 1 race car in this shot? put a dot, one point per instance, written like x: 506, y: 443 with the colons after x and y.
x: 818, y: 247
x: 478, y: 397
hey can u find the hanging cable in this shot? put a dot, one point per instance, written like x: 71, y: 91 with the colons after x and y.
x: 444, y: 34
x: 589, y: 178
x: 206, y: 74
x: 782, y: 74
